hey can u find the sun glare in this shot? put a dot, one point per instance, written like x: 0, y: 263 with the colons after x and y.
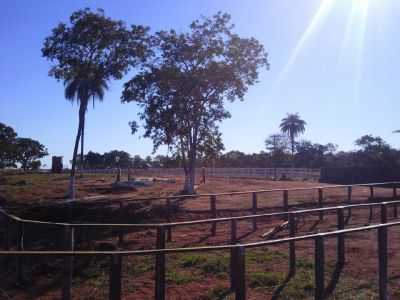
x: 312, y: 27
x: 353, y: 41
x: 353, y: 36
x: 361, y: 4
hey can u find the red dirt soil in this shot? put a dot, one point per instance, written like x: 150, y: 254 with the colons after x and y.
x: 361, y: 254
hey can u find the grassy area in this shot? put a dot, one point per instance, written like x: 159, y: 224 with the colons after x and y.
x: 263, y: 275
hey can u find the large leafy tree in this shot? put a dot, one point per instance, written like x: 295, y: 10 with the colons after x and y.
x: 110, y: 159
x: 313, y: 155
x: 7, y: 146
x: 375, y: 152
x: 28, y: 152
x: 370, y: 143
x: 293, y: 126
x: 94, y: 160
x: 88, y: 52
x: 182, y: 90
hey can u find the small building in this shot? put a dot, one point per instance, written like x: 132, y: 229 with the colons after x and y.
x: 56, y: 164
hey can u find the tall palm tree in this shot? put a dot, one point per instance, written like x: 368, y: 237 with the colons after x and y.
x: 82, y: 88
x: 293, y: 126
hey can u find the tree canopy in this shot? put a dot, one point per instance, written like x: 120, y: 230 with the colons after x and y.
x: 15, y: 150
x: 87, y: 53
x: 94, y: 160
x: 182, y: 89
x: 7, y: 146
x: 95, y: 44
x: 28, y: 153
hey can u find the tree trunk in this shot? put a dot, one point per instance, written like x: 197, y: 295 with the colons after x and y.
x: 192, y: 167
x: 82, y: 145
x: 292, y: 142
x: 186, y: 185
x: 73, y: 166
x: 190, y: 175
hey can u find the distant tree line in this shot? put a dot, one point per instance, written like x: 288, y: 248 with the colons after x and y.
x: 95, y: 160
x: 18, y: 151
x: 371, y: 151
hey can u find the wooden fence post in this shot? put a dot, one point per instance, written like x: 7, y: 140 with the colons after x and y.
x: 233, y: 231
x: 319, y: 268
x: 20, y: 275
x: 383, y: 212
x: 213, y: 208
x: 115, y: 277
x: 254, y: 210
x: 349, y: 194
x: 6, y: 239
x: 383, y: 262
x: 6, y: 236
x: 320, y: 199
x: 395, y: 204
x: 232, y: 269
x: 285, y: 203
x: 292, y: 246
x: 121, y: 231
x: 371, y: 213
x: 68, y: 262
x: 160, y: 265
x: 233, y: 254
x: 169, y: 229
x: 340, y: 237
x: 239, y: 272
x: 349, y: 198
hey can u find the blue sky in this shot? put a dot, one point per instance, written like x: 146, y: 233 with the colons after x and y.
x: 335, y: 62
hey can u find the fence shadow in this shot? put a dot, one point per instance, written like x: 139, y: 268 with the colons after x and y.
x: 277, y: 292
x: 314, y: 225
x: 334, y: 279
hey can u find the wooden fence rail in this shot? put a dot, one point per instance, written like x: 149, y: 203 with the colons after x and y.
x: 237, y: 250
x: 237, y: 259
x: 393, y: 184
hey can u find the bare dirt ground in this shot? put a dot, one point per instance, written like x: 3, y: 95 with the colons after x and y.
x: 196, y: 275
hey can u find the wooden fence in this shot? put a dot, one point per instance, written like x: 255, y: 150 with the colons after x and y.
x: 237, y: 251
x: 268, y: 173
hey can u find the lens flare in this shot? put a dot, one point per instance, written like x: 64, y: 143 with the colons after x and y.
x: 354, y: 42
x: 363, y: 4
x: 351, y: 50
x: 312, y: 27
